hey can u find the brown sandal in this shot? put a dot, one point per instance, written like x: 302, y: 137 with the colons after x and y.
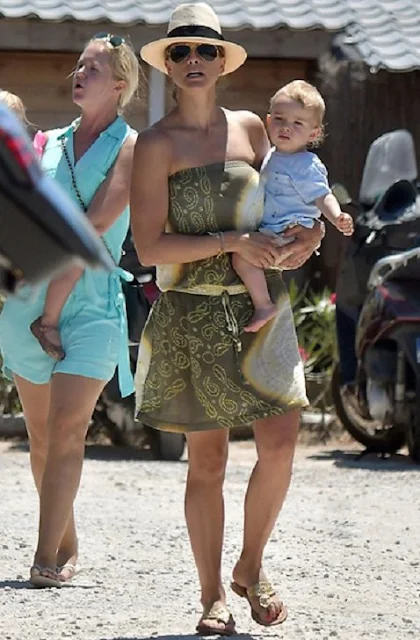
x: 44, y: 577
x: 265, y: 593
x: 218, y: 613
x: 40, y: 331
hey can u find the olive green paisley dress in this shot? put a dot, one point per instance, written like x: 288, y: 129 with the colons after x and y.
x: 197, y: 369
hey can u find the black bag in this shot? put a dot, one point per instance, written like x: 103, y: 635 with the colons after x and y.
x: 137, y: 307
x: 136, y: 302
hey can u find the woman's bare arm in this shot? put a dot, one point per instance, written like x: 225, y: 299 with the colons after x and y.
x: 112, y: 197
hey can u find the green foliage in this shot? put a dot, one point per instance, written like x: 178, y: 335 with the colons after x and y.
x: 314, y: 315
x: 9, y: 401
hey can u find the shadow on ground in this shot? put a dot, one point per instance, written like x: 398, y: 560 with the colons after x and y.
x: 182, y: 636
x: 14, y: 584
x: 370, y: 461
x: 98, y: 452
x: 110, y: 452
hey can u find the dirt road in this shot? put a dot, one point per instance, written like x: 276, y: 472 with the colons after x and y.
x: 345, y: 554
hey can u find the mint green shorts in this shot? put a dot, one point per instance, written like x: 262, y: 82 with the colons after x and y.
x: 90, y: 330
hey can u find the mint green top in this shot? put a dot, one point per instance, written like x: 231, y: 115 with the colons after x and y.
x: 98, y: 291
x: 90, y: 171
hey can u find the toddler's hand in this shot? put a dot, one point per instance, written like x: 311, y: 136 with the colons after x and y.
x: 345, y: 224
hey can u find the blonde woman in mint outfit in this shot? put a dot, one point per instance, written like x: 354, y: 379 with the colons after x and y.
x: 91, y: 159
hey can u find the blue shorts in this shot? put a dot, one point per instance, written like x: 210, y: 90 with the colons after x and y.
x: 90, y: 332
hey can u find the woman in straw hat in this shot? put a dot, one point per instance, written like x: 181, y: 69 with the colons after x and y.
x: 195, y: 199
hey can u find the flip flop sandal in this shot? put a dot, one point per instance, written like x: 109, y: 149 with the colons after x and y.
x: 40, y: 330
x: 73, y: 570
x: 219, y: 613
x: 265, y: 593
x: 40, y: 581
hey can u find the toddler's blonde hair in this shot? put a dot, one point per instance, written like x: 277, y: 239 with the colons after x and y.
x: 309, y: 97
x: 14, y: 103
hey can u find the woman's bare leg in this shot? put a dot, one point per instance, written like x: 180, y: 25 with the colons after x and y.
x: 72, y: 401
x: 35, y: 400
x: 275, y: 440
x: 204, y: 509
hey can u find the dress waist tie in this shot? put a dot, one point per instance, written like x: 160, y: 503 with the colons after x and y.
x: 125, y: 377
x: 225, y: 292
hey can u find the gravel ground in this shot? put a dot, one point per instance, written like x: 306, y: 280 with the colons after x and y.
x: 345, y: 554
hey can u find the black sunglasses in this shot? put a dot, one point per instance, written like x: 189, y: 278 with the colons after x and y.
x: 180, y: 52
x: 114, y: 41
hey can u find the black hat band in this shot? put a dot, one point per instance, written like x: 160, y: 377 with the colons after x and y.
x: 195, y: 31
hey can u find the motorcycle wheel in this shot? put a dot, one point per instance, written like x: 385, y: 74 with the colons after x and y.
x: 413, y: 438
x: 166, y: 445
x: 100, y: 423
x: 370, y: 433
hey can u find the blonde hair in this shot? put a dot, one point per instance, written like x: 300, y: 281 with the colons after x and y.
x: 309, y: 97
x: 14, y: 103
x: 124, y: 66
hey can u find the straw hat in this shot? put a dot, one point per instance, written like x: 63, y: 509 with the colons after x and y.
x: 195, y: 23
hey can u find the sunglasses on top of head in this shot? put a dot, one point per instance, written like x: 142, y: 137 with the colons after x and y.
x: 180, y: 52
x: 114, y: 41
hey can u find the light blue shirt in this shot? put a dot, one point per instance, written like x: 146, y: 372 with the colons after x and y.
x: 292, y: 182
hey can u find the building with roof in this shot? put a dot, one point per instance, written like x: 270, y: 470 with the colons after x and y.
x: 384, y: 34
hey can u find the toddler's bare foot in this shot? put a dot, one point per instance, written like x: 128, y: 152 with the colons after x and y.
x: 260, y: 318
x: 48, y: 337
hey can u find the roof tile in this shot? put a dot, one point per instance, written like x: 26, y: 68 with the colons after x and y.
x: 384, y: 32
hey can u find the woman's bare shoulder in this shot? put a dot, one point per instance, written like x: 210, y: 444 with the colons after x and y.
x: 154, y: 148
x: 247, y: 118
x: 253, y: 128
x: 156, y: 137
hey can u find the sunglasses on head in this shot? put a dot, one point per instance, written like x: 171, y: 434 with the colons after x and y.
x: 114, y: 41
x: 180, y: 52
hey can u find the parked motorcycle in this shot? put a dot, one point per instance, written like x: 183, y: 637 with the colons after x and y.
x: 379, y: 288
x: 113, y: 414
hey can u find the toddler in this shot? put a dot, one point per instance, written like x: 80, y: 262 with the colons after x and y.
x: 296, y: 190
x: 15, y: 104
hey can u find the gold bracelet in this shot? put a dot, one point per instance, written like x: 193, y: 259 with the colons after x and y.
x: 221, y: 237
x: 222, y: 243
